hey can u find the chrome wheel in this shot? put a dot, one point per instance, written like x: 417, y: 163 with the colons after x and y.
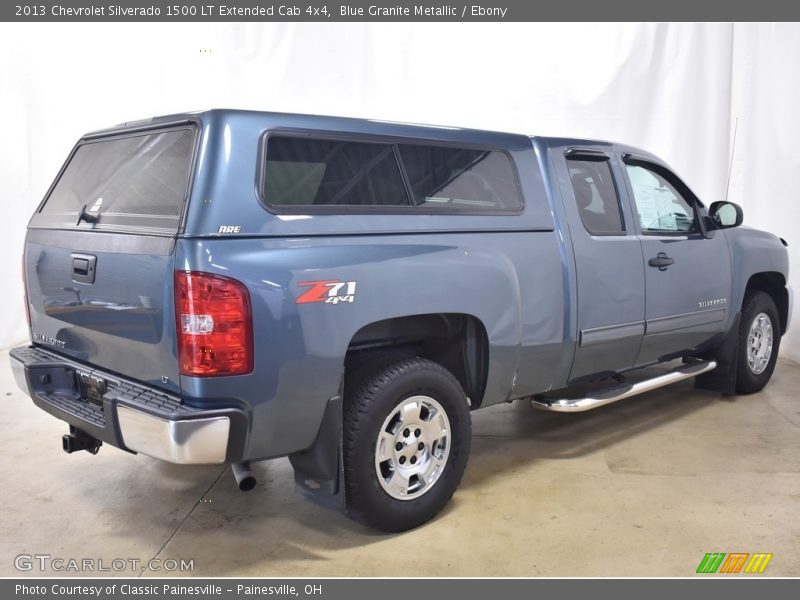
x: 759, y: 343
x: 412, y: 448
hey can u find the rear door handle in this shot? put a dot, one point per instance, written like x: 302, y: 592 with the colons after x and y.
x: 83, y: 268
x: 662, y: 261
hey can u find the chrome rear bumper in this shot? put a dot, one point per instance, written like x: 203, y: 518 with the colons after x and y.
x: 132, y: 417
x: 195, y: 441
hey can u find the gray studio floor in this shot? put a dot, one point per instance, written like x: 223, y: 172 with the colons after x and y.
x: 644, y: 487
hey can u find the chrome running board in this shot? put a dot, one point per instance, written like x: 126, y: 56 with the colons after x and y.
x: 620, y: 392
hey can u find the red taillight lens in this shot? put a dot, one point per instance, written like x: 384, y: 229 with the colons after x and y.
x: 215, y: 325
x: 25, y: 292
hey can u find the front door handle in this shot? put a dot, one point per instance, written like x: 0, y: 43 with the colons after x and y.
x: 662, y: 261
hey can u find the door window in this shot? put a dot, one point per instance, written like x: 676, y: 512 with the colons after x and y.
x: 661, y: 207
x: 596, y: 196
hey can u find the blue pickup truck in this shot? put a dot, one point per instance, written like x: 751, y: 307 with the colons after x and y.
x: 225, y: 287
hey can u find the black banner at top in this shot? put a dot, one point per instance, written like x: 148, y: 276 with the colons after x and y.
x: 396, y: 10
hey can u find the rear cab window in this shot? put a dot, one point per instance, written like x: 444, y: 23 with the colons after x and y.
x: 329, y: 175
x: 133, y: 181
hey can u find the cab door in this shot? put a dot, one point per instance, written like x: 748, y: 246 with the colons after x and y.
x: 687, y: 274
x: 608, y: 261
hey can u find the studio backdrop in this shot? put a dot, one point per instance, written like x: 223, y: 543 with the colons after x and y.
x: 678, y: 90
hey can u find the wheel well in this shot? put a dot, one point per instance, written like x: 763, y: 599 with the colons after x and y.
x: 456, y: 341
x: 773, y: 284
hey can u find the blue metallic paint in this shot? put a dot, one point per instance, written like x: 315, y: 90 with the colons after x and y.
x: 518, y: 274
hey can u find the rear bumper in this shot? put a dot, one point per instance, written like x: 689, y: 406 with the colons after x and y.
x: 132, y: 416
x: 790, y: 305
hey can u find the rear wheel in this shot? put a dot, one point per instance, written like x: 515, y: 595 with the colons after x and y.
x: 406, y: 442
x: 759, y: 341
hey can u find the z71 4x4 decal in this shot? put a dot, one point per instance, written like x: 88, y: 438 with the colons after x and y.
x: 329, y: 291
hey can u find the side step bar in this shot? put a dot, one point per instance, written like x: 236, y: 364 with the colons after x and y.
x: 625, y: 390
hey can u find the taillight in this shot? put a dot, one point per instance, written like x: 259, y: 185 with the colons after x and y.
x: 25, y: 292
x: 215, y: 325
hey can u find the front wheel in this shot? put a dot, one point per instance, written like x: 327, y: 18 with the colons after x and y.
x: 406, y: 442
x: 759, y: 341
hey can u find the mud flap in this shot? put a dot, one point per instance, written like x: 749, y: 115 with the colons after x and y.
x: 318, y: 472
x: 723, y: 378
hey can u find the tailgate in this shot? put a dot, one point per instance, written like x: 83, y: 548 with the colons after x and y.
x: 99, y: 254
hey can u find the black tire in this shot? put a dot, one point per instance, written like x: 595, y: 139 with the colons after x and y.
x: 756, y: 303
x: 368, y: 405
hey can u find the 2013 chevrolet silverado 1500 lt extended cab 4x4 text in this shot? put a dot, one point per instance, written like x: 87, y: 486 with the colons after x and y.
x: 231, y: 286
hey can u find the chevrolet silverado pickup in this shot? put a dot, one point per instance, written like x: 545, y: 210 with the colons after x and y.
x: 226, y: 287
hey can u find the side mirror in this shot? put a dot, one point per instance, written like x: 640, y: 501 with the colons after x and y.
x: 725, y: 214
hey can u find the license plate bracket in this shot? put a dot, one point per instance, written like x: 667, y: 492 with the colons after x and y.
x: 92, y: 388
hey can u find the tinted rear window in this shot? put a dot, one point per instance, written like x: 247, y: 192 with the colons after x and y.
x: 460, y: 178
x: 303, y: 172
x: 143, y: 175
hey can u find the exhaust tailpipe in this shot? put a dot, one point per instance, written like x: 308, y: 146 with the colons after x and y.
x: 244, y: 476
